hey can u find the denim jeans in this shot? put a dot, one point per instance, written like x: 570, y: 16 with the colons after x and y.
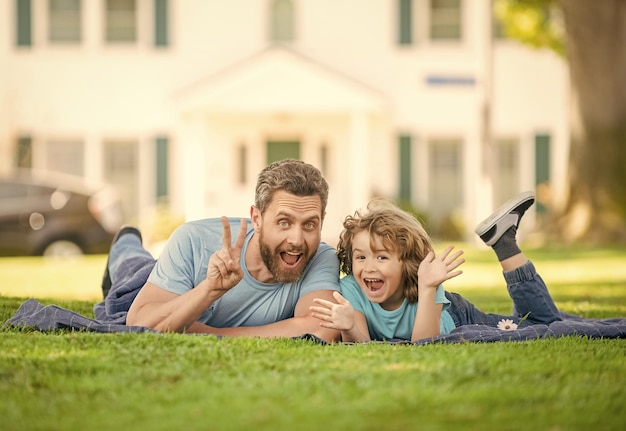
x: 129, y: 266
x: 528, y: 292
x: 127, y: 257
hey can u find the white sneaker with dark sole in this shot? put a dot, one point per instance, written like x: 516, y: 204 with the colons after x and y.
x: 509, y: 214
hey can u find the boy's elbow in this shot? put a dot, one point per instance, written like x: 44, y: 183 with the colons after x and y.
x: 328, y: 335
x: 311, y: 325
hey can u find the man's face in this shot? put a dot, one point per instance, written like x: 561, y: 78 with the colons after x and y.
x: 289, y: 234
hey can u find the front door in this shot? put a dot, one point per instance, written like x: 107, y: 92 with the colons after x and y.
x: 279, y: 150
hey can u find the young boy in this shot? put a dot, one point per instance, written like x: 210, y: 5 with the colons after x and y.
x: 393, y: 284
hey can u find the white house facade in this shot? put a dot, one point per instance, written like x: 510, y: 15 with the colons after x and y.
x: 183, y: 102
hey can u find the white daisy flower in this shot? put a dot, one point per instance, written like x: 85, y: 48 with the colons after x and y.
x: 507, y: 325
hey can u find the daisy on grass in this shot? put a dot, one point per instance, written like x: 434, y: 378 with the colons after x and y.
x: 507, y: 325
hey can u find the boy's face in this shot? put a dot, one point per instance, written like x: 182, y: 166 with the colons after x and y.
x: 377, y: 271
x: 289, y: 234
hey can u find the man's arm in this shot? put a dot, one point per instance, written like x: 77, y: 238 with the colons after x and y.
x: 164, y: 311
x: 301, y: 323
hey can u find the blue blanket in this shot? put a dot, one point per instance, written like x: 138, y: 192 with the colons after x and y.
x: 110, y: 316
x: 51, y: 317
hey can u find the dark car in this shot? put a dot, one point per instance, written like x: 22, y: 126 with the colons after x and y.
x: 56, y: 215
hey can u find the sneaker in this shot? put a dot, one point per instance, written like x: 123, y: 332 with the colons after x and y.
x: 508, y: 215
x: 106, y: 278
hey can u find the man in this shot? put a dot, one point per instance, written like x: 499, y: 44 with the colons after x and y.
x: 261, y: 285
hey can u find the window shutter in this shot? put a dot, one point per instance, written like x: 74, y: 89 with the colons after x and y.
x: 24, y: 23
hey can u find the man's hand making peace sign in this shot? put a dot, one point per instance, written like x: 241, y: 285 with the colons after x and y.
x: 224, y: 270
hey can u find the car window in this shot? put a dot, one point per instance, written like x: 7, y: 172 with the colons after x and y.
x: 16, y: 198
x: 10, y: 190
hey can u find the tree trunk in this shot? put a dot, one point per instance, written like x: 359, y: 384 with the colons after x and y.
x: 595, y: 208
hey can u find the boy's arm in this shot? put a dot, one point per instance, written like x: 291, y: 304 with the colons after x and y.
x: 428, y: 316
x: 359, y: 332
x: 340, y: 315
x: 433, y: 271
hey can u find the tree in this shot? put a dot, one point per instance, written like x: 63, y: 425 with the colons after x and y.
x: 593, y: 40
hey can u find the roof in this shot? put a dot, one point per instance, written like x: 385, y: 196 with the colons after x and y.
x: 278, y: 80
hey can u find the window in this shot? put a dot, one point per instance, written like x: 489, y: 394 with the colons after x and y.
x: 324, y: 155
x: 542, y: 169
x: 24, y: 23
x: 64, y: 21
x: 405, y: 143
x: 121, y: 164
x: 282, y: 21
x: 405, y: 22
x: 445, y: 195
x: 65, y: 156
x: 162, y: 156
x: 161, y: 23
x: 497, y: 28
x: 445, y: 19
x: 24, y: 153
x: 242, y: 176
x: 507, y: 180
x: 121, y: 21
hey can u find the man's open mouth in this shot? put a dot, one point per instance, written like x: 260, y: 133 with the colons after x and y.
x: 290, y: 258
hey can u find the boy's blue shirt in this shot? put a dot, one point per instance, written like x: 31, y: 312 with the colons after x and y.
x: 395, y: 324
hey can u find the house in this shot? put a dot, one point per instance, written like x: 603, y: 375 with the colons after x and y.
x: 184, y: 102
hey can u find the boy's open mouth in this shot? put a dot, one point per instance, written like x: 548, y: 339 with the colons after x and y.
x: 374, y: 284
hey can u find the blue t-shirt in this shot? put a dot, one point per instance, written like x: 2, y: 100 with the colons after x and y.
x: 183, y: 264
x: 386, y: 325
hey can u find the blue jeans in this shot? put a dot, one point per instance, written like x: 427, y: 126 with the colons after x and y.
x: 127, y: 257
x: 528, y: 292
x: 129, y: 266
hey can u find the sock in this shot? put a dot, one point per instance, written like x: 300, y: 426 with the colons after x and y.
x: 506, y: 246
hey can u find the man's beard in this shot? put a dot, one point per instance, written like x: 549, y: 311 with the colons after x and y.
x: 273, y: 262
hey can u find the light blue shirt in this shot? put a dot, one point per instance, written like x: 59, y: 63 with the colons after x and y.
x: 183, y: 264
x: 398, y: 323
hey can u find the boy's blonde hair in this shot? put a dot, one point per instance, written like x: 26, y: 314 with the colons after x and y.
x: 399, y: 233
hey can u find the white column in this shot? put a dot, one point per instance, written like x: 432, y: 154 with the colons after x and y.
x: 193, y: 135
x: 527, y: 179
x: 146, y: 176
x: 359, y: 186
x: 479, y: 197
x: 92, y: 25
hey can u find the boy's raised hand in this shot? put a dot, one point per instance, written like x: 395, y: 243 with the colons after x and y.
x: 434, y: 270
x: 224, y: 270
x: 334, y: 316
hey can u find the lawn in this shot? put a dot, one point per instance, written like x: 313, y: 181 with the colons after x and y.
x: 77, y: 381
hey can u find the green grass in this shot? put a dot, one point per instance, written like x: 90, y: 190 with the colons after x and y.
x: 76, y: 381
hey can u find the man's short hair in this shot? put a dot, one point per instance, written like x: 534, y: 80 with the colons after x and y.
x: 293, y: 176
